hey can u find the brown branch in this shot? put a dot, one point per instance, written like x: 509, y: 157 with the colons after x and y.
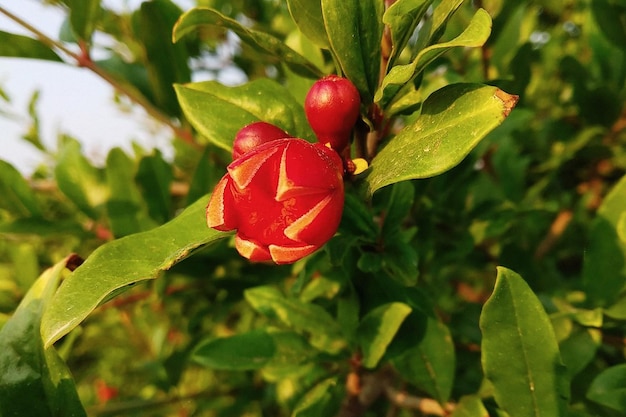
x: 556, y: 230
x: 84, y: 60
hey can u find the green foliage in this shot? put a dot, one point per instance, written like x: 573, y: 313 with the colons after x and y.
x: 495, y: 141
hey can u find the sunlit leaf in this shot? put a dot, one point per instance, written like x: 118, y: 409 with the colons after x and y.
x: 319, y: 401
x: 122, y: 262
x: 261, y: 41
x: 378, y: 328
x: 474, y: 35
x: 402, y: 18
x: 308, y: 16
x: 520, y: 354
x: 218, y: 111
x: 355, y: 31
x: 433, y: 28
x: 452, y: 121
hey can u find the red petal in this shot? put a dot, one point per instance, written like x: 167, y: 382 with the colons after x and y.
x: 244, y: 169
x: 252, y: 250
x: 220, y: 212
x: 290, y: 254
x: 287, y: 187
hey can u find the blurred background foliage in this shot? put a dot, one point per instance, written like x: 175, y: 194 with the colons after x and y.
x: 525, y: 198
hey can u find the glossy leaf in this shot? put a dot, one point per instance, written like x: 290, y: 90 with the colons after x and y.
x: 123, y: 262
x: 433, y: 28
x: 520, y: 354
x: 306, y: 318
x: 308, y: 17
x: 260, y: 41
x: 17, y: 196
x: 355, y: 30
x: 609, y: 388
x: 80, y: 181
x: 605, y: 254
x: 19, y: 46
x: 240, y: 352
x: 430, y: 365
x: 377, y: 329
x: 218, y: 112
x: 452, y: 122
x: 167, y: 62
x: 83, y: 17
x: 402, y: 18
x: 474, y: 35
x: 35, y: 381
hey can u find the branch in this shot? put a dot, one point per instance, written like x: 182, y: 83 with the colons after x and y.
x: 84, y: 60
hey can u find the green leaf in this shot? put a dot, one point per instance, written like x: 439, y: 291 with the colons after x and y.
x: 123, y: 262
x: 240, y: 352
x: 18, y: 46
x: 308, y: 17
x: 218, y: 112
x: 430, y: 365
x: 133, y: 75
x: 520, y: 354
x: 377, y: 330
x: 17, y: 196
x: 319, y: 401
x: 154, y: 177
x: 609, y: 21
x: 453, y: 120
x: 470, y: 406
x: 605, y: 254
x: 397, y: 208
x: 42, y: 227
x: 260, y: 41
x: 476, y: 34
x: 83, y: 17
x: 433, y: 28
x: 125, y: 210
x: 355, y: 31
x: 400, y: 262
x: 609, y: 388
x: 167, y: 63
x: 402, y: 18
x: 310, y: 319
x: 34, y: 381
x: 80, y: 181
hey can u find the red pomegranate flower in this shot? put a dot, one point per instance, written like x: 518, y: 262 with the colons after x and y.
x: 284, y: 198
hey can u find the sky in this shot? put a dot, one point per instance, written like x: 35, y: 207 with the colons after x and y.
x: 72, y: 100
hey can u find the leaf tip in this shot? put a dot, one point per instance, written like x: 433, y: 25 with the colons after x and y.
x: 508, y: 101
